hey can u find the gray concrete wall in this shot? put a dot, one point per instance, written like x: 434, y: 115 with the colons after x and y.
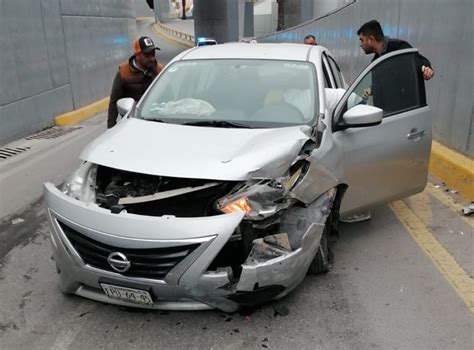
x: 442, y: 30
x: 218, y: 19
x: 141, y: 9
x: 58, y: 55
x: 162, y: 10
x: 265, y: 17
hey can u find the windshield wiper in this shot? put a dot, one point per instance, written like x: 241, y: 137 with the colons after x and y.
x: 217, y: 124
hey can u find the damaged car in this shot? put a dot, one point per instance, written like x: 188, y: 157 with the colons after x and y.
x: 223, y: 186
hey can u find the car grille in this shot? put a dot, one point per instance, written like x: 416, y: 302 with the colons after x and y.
x: 152, y: 263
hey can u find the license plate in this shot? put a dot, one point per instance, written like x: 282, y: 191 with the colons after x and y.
x: 131, y: 295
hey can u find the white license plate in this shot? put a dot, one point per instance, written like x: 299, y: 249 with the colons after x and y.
x: 131, y: 295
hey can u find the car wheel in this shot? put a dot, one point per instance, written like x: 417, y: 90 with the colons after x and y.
x: 322, y: 261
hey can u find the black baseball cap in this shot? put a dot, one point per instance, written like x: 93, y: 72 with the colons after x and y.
x: 144, y: 44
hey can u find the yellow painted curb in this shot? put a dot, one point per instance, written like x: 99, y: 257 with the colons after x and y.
x: 83, y: 113
x: 455, y: 169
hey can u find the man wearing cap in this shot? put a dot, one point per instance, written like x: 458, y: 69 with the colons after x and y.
x: 135, y: 76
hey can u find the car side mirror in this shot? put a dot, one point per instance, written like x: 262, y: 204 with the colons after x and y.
x: 361, y: 116
x: 125, y: 105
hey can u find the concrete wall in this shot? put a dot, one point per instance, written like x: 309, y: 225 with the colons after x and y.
x: 58, y: 55
x: 217, y: 19
x: 442, y: 30
x: 162, y: 10
x: 265, y: 17
x: 141, y: 9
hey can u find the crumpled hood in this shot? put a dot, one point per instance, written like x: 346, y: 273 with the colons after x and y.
x: 197, y: 152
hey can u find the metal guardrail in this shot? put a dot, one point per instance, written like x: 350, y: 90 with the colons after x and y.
x: 175, y: 33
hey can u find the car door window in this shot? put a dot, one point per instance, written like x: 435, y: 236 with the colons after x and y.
x: 336, y: 72
x: 394, y: 85
x: 328, y: 77
x: 327, y: 81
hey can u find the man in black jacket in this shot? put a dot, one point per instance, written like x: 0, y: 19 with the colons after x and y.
x: 372, y: 40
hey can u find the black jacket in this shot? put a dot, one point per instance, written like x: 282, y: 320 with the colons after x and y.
x: 387, y: 80
x: 391, y: 45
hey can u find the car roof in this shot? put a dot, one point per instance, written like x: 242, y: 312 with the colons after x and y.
x: 280, y: 51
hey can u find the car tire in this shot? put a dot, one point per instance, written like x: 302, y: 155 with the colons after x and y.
x: 322, y: 261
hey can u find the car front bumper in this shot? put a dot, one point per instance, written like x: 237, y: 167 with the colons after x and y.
x: 188, y: 285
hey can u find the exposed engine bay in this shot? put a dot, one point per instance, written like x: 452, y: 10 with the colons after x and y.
x: 150, y: 195
x: 265, y: 201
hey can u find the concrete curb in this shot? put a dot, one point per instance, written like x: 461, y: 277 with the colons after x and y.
x: 82, y: 114
x: 166, y: 33
x: 454, y: 168
x: 145, y: 18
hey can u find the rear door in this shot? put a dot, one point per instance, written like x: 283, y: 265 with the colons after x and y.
x: 389, y: 161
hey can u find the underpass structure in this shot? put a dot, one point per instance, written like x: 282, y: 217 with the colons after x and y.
x: 402, y: 280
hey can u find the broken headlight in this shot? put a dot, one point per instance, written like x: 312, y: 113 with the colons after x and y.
x: 260, y: 199
x: 81, y: 184
x: 257, y: 200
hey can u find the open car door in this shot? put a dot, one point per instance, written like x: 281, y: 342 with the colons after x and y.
x: 388, y: 161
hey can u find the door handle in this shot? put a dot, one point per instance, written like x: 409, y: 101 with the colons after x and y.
x: 416, y: 134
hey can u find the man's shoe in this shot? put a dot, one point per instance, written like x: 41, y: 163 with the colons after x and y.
x: 356, y: 217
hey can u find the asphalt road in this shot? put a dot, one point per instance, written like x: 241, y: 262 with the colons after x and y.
x: 389, y: 288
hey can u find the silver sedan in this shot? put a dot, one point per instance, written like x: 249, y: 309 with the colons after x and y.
x: 223, y: 186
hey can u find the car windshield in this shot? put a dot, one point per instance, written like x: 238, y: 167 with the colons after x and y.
x: 233, y: 93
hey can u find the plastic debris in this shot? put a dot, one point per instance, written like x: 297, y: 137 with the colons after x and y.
x: 468, y: 210
x: 437, y: 186
x: 454, y: 191
x: 462, y: 233
x: 17, y: 221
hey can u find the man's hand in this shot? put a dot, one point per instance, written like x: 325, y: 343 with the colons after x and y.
x: 367, y: 93
x: 427, y: 72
